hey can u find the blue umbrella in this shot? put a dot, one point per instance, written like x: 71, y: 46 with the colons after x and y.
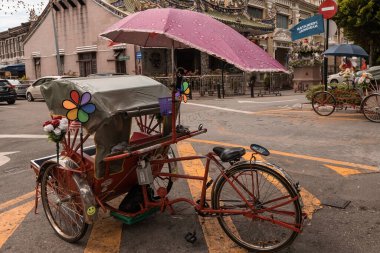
x: 346, y: 50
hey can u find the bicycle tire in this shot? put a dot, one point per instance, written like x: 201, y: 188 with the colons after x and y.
x: 371, y: 107
x: 68, y: 199
x: 233, y: 229
x: 328, y: 103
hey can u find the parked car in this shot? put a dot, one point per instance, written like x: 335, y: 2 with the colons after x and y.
x: 106, y: 74
x: 34, y: 92
x: 19, y: 87
x: 338, y: 77
x: 7, y: 92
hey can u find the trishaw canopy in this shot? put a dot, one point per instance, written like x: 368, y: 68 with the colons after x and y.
x: 110, y: 95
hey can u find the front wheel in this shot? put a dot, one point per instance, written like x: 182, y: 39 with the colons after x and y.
x: 323, y: 103
x: 271, y: 207
x: 11, y: 102
x: 62, y: 204
x: 29, y: 97
x: 371, y: 107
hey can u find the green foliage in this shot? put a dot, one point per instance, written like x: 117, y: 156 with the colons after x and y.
x: 360, y: 20
x: 342, y: 93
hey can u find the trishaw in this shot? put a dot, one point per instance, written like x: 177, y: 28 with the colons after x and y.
x: 257, y: 204
x: 367, y: 99
x: 363, y: 93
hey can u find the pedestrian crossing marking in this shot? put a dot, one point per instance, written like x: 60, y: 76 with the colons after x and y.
x: 217, y: 241
x: 10, y: 220
x: 343, y: 171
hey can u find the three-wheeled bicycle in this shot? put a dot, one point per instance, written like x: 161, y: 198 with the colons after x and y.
x: 364, y: 95
x: 257, y: 204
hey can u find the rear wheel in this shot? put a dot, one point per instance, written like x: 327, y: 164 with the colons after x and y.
x: 62, y: 204
x: 11, y: 102
x: 29, y: 97
x: 263, y: 188
x: 323, y: 103
x: 371, y: 108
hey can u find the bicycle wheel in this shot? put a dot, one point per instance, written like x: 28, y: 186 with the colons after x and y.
x: 164, y: 182
x: 323, y: 103
x: 63, y: 204
x: 263, y: 188
x: 371, y: 107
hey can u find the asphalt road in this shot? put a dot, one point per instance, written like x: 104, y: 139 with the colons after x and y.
x: 335, y: 159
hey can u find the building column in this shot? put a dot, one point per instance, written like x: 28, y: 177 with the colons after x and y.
x: 296, y: 14
x: 268, y: 13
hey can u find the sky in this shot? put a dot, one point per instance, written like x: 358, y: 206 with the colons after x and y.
x: 15, y: 12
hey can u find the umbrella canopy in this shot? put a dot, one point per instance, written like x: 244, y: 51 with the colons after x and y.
x: 346, y: 50
x: 175, y: 28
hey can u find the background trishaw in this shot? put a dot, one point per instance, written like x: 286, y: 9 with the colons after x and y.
x: 134, y: 123
x: 362, y: 92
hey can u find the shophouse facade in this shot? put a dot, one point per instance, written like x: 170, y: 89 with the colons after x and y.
x: 11, y: 44
x: 71, y: 30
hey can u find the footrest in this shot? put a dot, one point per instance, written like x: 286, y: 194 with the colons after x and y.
x: 135, y: 219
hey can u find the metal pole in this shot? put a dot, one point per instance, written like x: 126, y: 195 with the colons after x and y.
x: 224, y: 65
x: 173, y: 96
x: 326, y: 62
x: 59, y: 69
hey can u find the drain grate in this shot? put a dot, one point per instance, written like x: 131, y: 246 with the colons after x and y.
x: 337, y: 203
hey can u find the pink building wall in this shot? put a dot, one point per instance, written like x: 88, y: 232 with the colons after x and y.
x: 77, y: 27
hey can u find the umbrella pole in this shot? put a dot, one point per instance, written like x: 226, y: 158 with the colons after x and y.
x: 173, y: 96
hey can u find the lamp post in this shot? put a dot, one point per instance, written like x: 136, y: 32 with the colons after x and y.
x: 59, y: 67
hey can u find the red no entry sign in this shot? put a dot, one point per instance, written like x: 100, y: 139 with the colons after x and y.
x: 328, y: 9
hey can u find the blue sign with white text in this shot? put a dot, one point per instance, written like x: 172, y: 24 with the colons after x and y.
x: 308, y: 27
x: 138, y: 55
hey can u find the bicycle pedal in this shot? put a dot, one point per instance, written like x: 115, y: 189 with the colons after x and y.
x: 191, y: 237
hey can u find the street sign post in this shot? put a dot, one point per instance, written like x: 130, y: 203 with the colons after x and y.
x: 328, y: 9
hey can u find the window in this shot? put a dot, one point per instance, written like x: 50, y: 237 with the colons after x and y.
x: 120, y: 59
x: 87, y: 63
x: 255, y: 12
x: 282, y: 21
x: 62, y: 60
x: 37, y: 67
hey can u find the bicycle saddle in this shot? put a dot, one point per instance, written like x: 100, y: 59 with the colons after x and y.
x: 229, y: 154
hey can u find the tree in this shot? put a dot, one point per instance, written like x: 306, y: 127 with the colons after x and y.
x: 360, y: 20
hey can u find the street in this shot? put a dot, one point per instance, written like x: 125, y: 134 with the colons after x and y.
x: 335, y: 159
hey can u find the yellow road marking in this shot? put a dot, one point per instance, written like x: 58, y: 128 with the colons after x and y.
x: 106, y: 232
x: 17, y: 200
x: 305, y: 157
x: 10, y: 220
x: 217, y: 241
x: 310, y: 203
x: 343, y: 171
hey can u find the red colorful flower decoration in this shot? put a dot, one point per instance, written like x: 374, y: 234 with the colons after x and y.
x: 79, y: 106
x: 56, y: 128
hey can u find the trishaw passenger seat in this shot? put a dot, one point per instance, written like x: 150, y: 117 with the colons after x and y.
x: 229, y: 154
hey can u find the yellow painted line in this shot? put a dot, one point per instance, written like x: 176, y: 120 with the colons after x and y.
x: 10, y: 220
x: 217, y: 241
x: 17, y: 200
x: 105, y: 235
x: 343, y: 171
x: 305, y: 157
x: 310, y: 203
